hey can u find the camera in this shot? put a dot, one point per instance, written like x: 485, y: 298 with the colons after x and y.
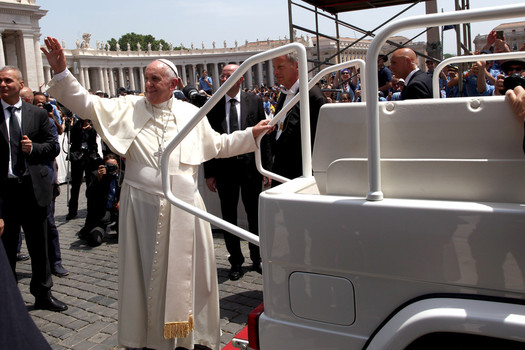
x: 48, y: 107
x: 111, y: 169
x: 193, y: 95
x: 512, y: 81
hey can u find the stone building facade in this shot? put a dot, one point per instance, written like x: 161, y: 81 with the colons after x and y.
x: 20, y: 41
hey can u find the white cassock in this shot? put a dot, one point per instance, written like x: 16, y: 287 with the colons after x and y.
x: 167, y: 275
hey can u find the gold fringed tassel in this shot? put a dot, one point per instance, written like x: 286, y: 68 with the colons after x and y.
x: 178, y: 329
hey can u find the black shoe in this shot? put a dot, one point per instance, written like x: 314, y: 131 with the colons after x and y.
x: 59, y: 270
x: 70, y: 216
x: 22, y: 257
x: 49, y: 302
x: 257, y: 267
x: 235, y: 272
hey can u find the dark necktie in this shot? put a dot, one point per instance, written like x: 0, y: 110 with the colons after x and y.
x: 15, y: 138
x: 234, y: 120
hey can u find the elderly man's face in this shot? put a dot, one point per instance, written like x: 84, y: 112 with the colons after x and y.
x: 285, y: 71
x: 158, y: 87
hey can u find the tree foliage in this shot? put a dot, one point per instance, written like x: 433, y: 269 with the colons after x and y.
x: 133, y: 39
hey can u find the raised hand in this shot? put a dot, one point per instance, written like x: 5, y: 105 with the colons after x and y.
x: 54, y: 54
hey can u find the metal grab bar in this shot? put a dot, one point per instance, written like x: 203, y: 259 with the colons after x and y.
x: 469, y: 58
x: 305, y: 129
x: 293, y: 101
x: 372, y: 107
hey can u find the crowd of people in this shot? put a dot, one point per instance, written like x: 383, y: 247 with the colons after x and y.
x: 165, y: 251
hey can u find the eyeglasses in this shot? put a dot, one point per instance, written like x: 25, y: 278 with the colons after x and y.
x: 345, y: 73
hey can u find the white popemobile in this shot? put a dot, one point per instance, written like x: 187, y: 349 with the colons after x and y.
x: 408, y: 238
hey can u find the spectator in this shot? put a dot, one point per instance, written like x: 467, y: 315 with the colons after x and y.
x: 205, y: 83
x: 346, y: 98
x: 516, y: 100
x: 346, y: 84
x: 83, y: 155
x: 384, y: 76
x: 451, y: 87
x: 103, y: 195
x: 404, y: 65
x: 509, y: 67
x: 122, y: 91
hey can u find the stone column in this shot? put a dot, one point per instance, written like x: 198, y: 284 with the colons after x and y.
x: 28, y: 65
x: 39, y: 64
x: 106, y: 81
x: 2, y: 59
x: 271, y: 78
x: 142, y: 80
x: 87, y: 79
x: 216, y: 80
x: 249, y: 80
x: 100, y: 85
x: 82, y: 78
x: 131, y: 79
x: 112, y: 89
x: 193, y: 74
x: 259, y: 74
x: 121, y: 81
x: 47, y: 74
x: 183, y: 74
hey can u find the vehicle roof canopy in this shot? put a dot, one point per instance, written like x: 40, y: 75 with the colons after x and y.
x: 336, y: 6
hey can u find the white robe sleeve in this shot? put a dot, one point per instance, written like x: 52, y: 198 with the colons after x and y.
x: 116, y: 120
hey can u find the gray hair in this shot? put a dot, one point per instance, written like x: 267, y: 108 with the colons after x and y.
x: 293, y: 57
x: 17, y: 71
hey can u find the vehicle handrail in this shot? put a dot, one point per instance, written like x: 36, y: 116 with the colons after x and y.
x: 243, y: 68
x: 372, y: 108
x: 293, y: 101
x: 469, y: 58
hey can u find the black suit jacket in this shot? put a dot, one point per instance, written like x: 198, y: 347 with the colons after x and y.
x: 77, y: 137
x: 252, y: 112
x: 288, y: 160
x: 35, y: 124
x: 419, y: 86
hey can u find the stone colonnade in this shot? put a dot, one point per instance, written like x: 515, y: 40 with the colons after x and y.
x: 101, y: 69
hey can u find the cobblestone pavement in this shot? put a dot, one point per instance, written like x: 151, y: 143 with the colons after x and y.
x: 90, y: 290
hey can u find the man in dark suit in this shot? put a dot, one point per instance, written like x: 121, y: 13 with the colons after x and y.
x: 286, y: 139
x: 237, y: 111
x: 26, y: 145
x: 84, y: 158
x: 418, y: 84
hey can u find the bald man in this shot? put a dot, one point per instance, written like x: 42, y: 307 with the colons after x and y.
x: 229, y: 176
x: 418, y: 84
x: 26, y: 94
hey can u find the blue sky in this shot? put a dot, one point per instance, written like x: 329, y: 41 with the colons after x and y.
x: 206, y: 21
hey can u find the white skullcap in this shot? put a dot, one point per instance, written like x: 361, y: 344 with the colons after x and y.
x: 171, y: 65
